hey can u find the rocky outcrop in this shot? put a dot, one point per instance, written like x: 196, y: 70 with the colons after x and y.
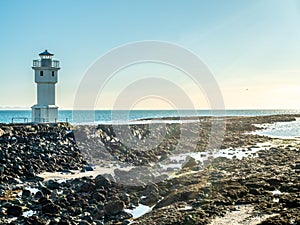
x: 26, y: 150
x: 195, y: 195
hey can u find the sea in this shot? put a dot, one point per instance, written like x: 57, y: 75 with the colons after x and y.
x: 108, y: 116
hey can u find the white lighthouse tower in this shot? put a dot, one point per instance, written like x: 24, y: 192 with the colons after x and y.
x: 45, y: 73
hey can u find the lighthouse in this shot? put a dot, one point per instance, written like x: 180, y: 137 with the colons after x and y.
x: 45, y: 75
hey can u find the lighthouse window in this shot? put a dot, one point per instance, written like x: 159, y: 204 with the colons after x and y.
x: 52, y: 73
x: 42, y: 73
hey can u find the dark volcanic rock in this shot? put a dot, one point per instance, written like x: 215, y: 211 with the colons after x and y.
x: 51, y: 184
x: 14, y: 210
x: 102, y: 181
x: 113, y: 207
x: 87, y: 187
x: 150, y: 195
x: 99, y: 197
x: 34, y: 220
x: 190, y: 163
x: 30, y: 149
x: 188, y: 197
x: 26, y: 193
x: 51, y: 209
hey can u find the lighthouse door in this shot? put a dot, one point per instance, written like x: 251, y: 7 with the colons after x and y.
x: 38, y: 115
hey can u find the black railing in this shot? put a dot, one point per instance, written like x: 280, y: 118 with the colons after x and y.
x: 25, y: 119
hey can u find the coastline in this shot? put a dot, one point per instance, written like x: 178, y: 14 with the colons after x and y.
x: 105, y: 116
x: 195, y: 194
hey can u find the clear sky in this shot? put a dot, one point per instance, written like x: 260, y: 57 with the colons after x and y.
x: 251, y: 46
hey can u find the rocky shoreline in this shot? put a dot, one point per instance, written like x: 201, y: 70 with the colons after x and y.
x: 263, y: 187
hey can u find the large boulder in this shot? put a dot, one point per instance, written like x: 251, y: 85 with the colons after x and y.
x: 150, y: 195
x: 14, y: 210
x: 102, y: 181
x: 190, y: 162
x: 113, y: 207
x: 51, y: 184
x: 87, y: 187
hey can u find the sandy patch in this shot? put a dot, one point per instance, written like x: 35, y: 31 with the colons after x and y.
x: 243, y: 215
x: 77, y: 174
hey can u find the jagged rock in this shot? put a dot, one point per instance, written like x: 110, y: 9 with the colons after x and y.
x: 190, y: 163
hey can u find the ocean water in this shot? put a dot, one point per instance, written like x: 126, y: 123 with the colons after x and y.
x: 107, y: 116
x: 285, y: 130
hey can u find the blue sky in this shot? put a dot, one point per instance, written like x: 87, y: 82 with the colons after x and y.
x: 252, y: 47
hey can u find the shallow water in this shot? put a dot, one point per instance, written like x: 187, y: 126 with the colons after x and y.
x: 284, y: 130
x: 28, y: 213
x: 175, y: 162
x: 32, y: 190
x: 276, y: 192
x: 139, y: 210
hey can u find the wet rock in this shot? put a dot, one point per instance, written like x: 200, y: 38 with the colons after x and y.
x: 64, y: 222
x: 44, y: 201
x: 102, y: 181
x: 190, y: 163
x: 84, y: 222
x: 289, y: 201
x: 32, y: 149
x: 26, y: 193
x: 38, y: 195
x: 45, y: 191
x: 188, y: 198
x: 150, y: 195
x: 14, y: 210
x: 274, y: 182
x: 99, y: 197
x: 276, y: 220
x: 124, y: 216
x: 87, y: 187
x: 87, y: 218
x: 51, y: 209
x: 97, y: 214
x: 34, y: 220
x: 51, y: 184
x: 113, y: 207
x: 297, y: 165
x: 255, y: 184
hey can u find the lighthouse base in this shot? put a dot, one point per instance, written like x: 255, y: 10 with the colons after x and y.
x: 44, y: 113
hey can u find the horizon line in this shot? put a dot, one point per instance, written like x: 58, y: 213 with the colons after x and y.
x: 146, y: 109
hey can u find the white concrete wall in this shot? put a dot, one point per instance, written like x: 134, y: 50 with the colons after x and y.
x: 47, y: 76
x: 46, y: 94
x: 45, y: 110
x: 44, y: 114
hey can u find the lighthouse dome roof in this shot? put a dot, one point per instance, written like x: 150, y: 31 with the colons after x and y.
x: 46, y: 53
